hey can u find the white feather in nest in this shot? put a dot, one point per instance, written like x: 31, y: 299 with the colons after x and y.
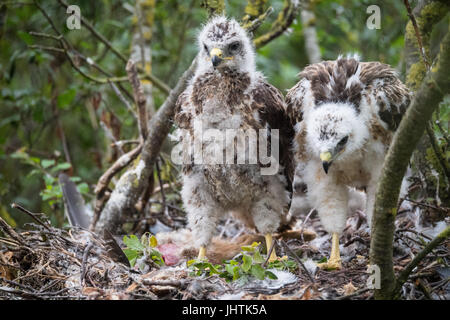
x: 284, y: 278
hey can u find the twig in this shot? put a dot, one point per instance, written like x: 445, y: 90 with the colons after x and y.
x: 31, y: 214
x: 172, y: 283
x: 284, y: 20
x: 10, y: 231
x: 292, y: 253
x: 139, y: 97
x: 163, y: 195
x: 83, y: 263
x: 256, y: 23
x: 416, y: 30
x: 269, y: 253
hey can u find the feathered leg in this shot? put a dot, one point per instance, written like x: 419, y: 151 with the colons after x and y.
x: 331, y: 201
x: 267, y: 217
x: 202, y: 211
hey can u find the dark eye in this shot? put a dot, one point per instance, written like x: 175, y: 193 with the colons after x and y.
x: 206, y: 48
x: 343, y: 141
x: 235, y: 46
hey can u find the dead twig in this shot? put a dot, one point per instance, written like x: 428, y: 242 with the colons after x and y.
x: 292, y: 253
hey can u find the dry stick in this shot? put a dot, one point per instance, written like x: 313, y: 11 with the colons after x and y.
x: 83, y: 263
x: 172, y: 283
x: 10, y: 231
x: 122, y: 98
x: 297, y: 259
x: 120, y: 163
x: 269, y: 253
x: 139, y: 97
x: 163, y: 195
x: 31, y: 214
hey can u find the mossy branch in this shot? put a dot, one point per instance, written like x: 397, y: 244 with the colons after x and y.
x: 284, y: 20
x: 430, y: 94
x: 214, y: 7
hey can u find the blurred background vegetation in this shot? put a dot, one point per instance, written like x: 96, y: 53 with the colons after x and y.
x: 52, y: 119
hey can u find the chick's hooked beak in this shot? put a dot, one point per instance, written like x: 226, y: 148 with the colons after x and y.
x: 216, y: 56
x: 326, y: 160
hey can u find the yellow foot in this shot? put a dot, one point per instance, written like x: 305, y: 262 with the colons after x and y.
x: 273, y: 256
x: 201, y: 253
x: 332, y: 264
x: 335, y: 258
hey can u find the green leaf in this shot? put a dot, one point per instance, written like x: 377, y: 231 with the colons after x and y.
x: 132, y: 255
x: 83, y: 188
x: 258, y: 272
x: 132, y: 242
x: 257, y: 257
x: 26, y: 37
x: 236, y: 273
x: 247, y: 262
x: 271, y: 275
x: 45, y: 163
x: 61, y: 167
x: 66, y: 98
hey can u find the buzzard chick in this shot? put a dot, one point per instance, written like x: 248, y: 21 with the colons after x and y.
x: 345, y: 113
x: 226, y: 92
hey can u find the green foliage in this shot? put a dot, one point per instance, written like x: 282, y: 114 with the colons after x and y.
x: 144, y: 247
x: 48, y: 170
x: 248, y: 264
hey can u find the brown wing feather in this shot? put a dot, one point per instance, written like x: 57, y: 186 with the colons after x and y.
x: 269, y: 103
x: 391, y: 96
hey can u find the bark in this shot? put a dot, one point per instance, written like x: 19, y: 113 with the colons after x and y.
x: 435, y: 85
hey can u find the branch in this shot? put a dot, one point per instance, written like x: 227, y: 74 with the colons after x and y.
x: 139, y: 98
x: 416, y: 30
x: 403, y: 277
x: 434, y: 87
x: 284, y: 20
